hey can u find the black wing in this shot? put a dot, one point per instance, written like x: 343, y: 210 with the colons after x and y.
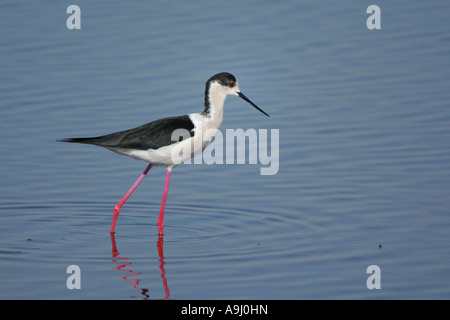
x: 152, y: 135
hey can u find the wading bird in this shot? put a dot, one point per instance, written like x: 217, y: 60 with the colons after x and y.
x: 153, y: 142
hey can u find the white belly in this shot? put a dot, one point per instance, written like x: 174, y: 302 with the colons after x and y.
x: 204, y: 131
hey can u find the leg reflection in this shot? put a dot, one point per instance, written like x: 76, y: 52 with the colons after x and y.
x: 160, y: 246
x: 124, y: 263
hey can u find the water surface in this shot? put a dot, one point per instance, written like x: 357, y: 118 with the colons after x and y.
x: 364, y: 152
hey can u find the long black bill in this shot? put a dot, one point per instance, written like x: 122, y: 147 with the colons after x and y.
x: 249, y: 101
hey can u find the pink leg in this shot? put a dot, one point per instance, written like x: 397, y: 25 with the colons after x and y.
x: 163, y: 203
x: 127, y: 195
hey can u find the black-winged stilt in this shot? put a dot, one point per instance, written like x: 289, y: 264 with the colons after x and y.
x: 153, y: 142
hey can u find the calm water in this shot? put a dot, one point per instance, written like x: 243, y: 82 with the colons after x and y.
x: 364, y: 150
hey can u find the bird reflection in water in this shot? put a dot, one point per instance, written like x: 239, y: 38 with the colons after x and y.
x: 124, y: 263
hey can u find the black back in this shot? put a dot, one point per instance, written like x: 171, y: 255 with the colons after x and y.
x: 152, y: 135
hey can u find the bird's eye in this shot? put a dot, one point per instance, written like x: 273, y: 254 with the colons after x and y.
x: 231, y: 84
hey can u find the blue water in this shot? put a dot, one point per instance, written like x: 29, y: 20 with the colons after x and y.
x: 364, y: 150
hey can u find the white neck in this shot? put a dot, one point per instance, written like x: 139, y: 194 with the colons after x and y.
x: 214, y: 101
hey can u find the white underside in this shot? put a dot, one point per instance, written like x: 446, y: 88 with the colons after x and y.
x: 172, y: 155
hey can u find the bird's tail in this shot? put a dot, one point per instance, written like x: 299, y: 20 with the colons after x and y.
x: 79, y: 140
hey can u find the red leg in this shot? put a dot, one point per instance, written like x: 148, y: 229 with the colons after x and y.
x: 163, y: 203
x: 127, y: 195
